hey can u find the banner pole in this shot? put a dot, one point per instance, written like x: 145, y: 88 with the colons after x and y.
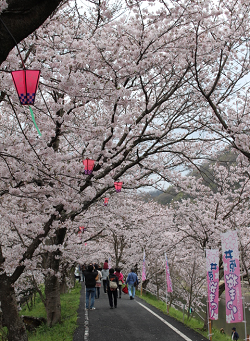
x: 209, y: 324
x: 210, y: 330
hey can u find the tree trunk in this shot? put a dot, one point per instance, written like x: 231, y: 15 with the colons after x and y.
x: 11, y: 318
x: 22, y: 18
x: 51, y: 261
x: 53, y: 305
x: 205, y: 322
x: 63, y: 285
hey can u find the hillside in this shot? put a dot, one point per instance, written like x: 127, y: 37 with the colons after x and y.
x: 226, y: 158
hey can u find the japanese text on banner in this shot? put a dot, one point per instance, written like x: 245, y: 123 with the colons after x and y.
x: 212, y: 262
x: 234, y: 310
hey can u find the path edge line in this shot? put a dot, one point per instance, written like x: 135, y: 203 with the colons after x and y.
x: 167, y: 323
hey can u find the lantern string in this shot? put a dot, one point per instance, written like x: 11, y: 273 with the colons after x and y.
x: 34, y: 121
x: 14, y: 42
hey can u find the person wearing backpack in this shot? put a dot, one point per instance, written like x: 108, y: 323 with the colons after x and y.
x: 112, y: 285
x: 132, y: 282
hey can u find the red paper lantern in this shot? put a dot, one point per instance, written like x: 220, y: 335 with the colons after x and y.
x: 81, y: 229
x: 26, y: 83
x: 118, y: 186
x: 106, y: 200
x: 88, y: 165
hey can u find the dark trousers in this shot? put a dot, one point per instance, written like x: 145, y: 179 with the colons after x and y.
x: 104, y: 285
x: 97, y: 292
x: 112, y: 294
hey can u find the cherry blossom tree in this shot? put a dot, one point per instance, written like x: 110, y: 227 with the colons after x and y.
x: 207, y: 213
x: 125, y: 96
x: 99, y: 107
x: 219, y: 60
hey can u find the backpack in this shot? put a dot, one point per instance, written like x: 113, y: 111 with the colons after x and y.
x: 112, y: 284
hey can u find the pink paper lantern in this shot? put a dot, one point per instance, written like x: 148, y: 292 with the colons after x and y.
x: 88, y: 165
x: 26, y: 83
x: 118, y: 186
x: 106, y: 200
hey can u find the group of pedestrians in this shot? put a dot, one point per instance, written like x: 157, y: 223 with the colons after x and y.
x: 112, y: 284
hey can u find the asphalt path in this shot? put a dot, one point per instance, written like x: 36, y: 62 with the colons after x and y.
x: 132, y: 320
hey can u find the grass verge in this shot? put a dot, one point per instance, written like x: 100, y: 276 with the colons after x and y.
x: 61, y: 331
x: 194, y: 323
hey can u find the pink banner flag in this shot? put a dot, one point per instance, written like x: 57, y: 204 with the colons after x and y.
x: 168, y: 278
x: 143, y: 275
x: 212, y: 261
x: 234, y: 310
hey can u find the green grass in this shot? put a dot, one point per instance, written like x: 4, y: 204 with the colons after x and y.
x: 194, y: 323
x: 62, y: 331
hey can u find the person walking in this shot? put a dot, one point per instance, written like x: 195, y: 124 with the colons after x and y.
x: 112, y: 285
x: 105, y: 273
x: 90, y: 275
x: 119, y: 275
x: 77, y: 273
x: 98, y: 282
x: 84, y: 268
x: 132, y: 282
x: 235, y: 335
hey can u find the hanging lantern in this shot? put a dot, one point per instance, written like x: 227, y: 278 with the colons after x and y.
x: 106, y: 200
x: 81, y: 230
x: 26, y: 83
x: 88, y: 165
x: 118, y: 186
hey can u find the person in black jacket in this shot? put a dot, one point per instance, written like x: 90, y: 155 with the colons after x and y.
x: 112, y: 285
x: 90, y: 275
x: 235, y: 335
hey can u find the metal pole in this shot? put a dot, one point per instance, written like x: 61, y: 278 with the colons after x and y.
x: 183, y: 311
x: 209, y: 324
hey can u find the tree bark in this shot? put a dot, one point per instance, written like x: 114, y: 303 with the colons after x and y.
x: 205, y: 325
x: 51, y: 261
x: 22, y: 18
x: 11, y: 318
x: 53, y: 304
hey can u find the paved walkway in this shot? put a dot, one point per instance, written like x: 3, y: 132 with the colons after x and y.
x: 131, y: 321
